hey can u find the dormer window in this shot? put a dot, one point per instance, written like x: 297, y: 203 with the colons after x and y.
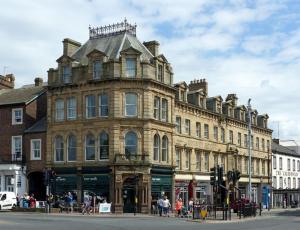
x: 131, y: 67
x: 242, y: 116
x: 182, y: 95
x: 66, y: 74
x: 97, y: 70
x: 230, y: 112
x: 160, y: 73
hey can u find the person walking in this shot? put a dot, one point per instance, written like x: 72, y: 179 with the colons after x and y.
x: 178, y: 207
x: 166, y: 206
x: 69, y: 202
x: 160, y: 204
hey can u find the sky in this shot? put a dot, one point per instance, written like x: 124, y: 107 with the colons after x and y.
x: 247, y: 47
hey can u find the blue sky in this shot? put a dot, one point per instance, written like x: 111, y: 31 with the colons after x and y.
x: 247, y: 47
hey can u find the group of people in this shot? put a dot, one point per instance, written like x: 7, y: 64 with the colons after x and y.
x: 164, y: 206
x: 26, y: 201
x: 181, y: 210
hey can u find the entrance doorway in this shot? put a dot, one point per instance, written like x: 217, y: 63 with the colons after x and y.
x: 36, y: 185
x: 129, y: 195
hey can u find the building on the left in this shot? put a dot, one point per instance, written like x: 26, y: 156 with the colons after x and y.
x: 22, y: 136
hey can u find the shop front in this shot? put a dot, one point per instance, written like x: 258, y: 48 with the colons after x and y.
x: 95, y: 184
x: 161, y: 183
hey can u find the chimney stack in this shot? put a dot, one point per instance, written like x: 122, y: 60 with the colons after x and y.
x: 153, y: 47
x: 38, y: 81
x: 199, y: 84
x: 70, y: 46
x: 7, y: 81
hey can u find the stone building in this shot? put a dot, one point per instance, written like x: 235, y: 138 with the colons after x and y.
x: 20, y: 109
x: 118, y: 127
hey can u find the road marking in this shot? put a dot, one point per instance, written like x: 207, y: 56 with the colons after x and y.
x: 5, y: 222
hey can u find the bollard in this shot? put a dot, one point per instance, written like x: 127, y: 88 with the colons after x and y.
x: 240, y: 210
x: 229, y: 212
x: 260, y: 208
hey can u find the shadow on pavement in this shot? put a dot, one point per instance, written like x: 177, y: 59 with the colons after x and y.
x: 288, y: 213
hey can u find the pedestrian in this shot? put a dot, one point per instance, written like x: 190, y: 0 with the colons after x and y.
x: 178, y: 207
x: 69, y: 202
x: 191, y: 204
x: 160, y: 204
x: 166, y: 206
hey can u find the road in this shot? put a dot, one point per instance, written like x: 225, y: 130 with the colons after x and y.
x: 28, y: 221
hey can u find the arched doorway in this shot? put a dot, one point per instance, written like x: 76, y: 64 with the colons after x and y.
x: 130, y: 194
x: 36, y: 185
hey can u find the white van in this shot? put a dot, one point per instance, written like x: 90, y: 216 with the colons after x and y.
x: 8, y: 200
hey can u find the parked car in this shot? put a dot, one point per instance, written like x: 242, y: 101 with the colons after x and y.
x: 8, y: 200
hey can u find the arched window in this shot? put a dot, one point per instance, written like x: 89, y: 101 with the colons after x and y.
x: 130, y: 144
x: 72, y: 148
x: 165, y: 149
x: 90, y: 147
x: 156, y: 147
x: 104, y: 145
x: 59, y: 148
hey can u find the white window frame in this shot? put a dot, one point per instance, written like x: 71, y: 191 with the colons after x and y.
x: 97, y: 72
x: 13, y: 148
x: 71, y: 108
x: 136, y: 105
x: 88, y: 106
x: 198, y: 129
x: 14, y: 122
x: 164, y: 110
x: 130, y: 70
x: 66, y: 74
x: 32, y: 150
x: 58, y: 110
x: 103, y: 106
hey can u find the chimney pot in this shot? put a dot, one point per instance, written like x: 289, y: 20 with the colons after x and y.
x: 38, y: 81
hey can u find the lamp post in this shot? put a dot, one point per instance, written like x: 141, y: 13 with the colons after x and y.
x: 249, y: 148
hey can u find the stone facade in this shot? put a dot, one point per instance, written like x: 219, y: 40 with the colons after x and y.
x: 112, y: 123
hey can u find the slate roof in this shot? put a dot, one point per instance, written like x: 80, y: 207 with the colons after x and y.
x: 21, y: 95
x: 111, y: 46
x: 38, y: 127
x: 282, y: 149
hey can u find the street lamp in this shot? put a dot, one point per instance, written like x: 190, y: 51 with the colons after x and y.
x: 249, y: 147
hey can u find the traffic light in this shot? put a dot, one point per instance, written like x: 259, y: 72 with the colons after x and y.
x: 220, y: 175
x: 213, y: 175
x: 46, y: 177
x: 237, y: 174
x: 52, y: 176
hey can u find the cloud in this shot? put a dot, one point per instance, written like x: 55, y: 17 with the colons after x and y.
x: 250, y: 48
